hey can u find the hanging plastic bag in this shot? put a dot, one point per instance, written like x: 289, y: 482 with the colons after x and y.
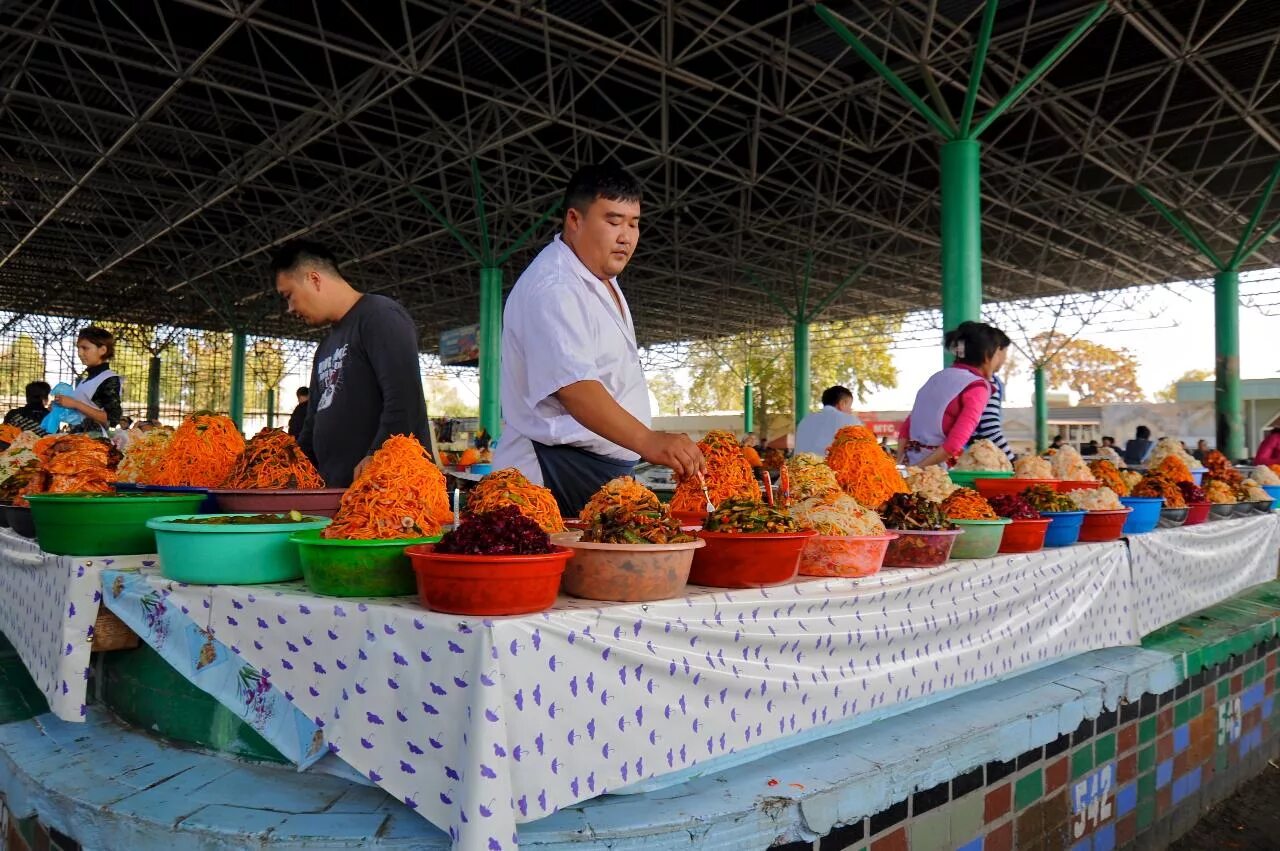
x: 57, y: 414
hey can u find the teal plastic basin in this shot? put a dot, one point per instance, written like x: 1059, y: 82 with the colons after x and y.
x: 966, y: 478
x: 203, y: 554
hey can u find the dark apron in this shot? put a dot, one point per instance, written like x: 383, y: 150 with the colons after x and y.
x: 573, y: 475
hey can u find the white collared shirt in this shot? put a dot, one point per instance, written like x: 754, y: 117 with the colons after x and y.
x: 561, y: 325
x: 817, y: 430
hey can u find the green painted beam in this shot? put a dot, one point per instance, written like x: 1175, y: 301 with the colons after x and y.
x: 1228, y: 409
x: 1257, y: 243
x: 961, y: 233
x: 1183, y: 227
x: 237, y: 379
x: 1042, y: 67
x: 801, y: 370
x: 490, y: 350
x: 271, y: 407
x: 1042, y: 411
x: 748, y: 409
x: 979, y: 63
x: 453, y: 231
x: 1241, y: 254
x: 486, y: 250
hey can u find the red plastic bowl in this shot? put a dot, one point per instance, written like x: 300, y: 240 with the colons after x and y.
x: 1197, y: 512
x: 1008, y: 487
x: 1024, y: 536
x: 747, y: 560
x: 690, y: 518
x: 1065, y: 486
x: 1103, y: 525
x: 487, y: 585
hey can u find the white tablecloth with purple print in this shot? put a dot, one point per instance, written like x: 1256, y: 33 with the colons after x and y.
x: 481, y: 724
x: 48, y: 605
x: 1180, y: 571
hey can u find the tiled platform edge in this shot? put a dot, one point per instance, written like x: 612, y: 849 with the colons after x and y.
x: 1123, y: 747
x: 1136, y: 776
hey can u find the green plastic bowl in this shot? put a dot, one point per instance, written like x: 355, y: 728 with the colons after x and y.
x: 341, y: 567
x: 964, y: 478
x: 981, y: 538
x: 108, y: 524
x: 229, y: 555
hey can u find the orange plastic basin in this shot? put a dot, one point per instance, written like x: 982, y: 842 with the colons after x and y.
x: 1024, y: 536
x: 487, y: 585
x: 1103, y: 525
x: 1197, y: 512
x: 747, y: 560
x: 1009, y: 487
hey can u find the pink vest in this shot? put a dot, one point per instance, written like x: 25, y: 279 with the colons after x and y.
x: 931, y: 404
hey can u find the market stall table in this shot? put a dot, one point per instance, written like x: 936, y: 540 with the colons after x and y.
x: 48, y: 607
x: 481, y: 724
x: 1182, y: 570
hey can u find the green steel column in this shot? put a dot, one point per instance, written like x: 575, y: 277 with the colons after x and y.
x: 237, y: 379
x: 490, y: 350
x: 1226, y: 389
x: 271, y: 407
x: 748, y: 409
x: 801, y: 372
x: 961, y: 233
x: 153, y: 388
x: 1042, y: 412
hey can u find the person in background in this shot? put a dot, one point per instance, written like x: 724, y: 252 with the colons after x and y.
x: 1089, y: 449
x: 299, y: 415
x: 28, y: 417
x: 366, y: 373
x: 1137, y: 450
x: 1108, y: 442
x: 1057, y: 442
x: 1202, y: 449
x: 1269, y: 449
x: 122, y: 435
x: 947, y: 408
x: 816, y: 431
x: 991, y: 423
x: 573, y: 391
x: 99, y: 391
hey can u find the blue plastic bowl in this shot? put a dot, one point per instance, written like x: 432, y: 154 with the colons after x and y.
x: 1274, y: 492
x: 1145, y: 516
x: 1064, y: 527
x: 481, y: 469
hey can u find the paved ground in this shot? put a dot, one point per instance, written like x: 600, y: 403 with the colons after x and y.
x: 1248, y: 820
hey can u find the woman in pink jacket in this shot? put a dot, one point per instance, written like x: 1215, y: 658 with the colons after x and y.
x: 1269, y: 450
x: 948, y: 406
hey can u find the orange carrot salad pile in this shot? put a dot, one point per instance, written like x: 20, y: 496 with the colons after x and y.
x: 203, y: 451
x: 273, y: 460
x: 728, y: 475
x: 509, y: 487
x: 863, y: 469
x: 399, y: 494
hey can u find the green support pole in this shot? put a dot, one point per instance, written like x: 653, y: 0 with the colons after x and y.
x: 801, y: 371
x: 1226, y: 391
x: 961, y: 233
x: 490, y: 350
x: 237, y: 379
x: 1042, y: 412
x: 153, y: 388
x: 271, y: 407
x: 748, y: 409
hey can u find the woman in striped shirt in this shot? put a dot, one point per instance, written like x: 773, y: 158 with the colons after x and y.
x: 991, y: 423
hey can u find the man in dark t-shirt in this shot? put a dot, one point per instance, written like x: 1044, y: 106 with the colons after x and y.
x: 299, y: 415
x: 365, y: 377
x: 30, y: 415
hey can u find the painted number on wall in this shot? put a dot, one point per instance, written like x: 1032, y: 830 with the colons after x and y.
x: 1092, y: 798
x: 1230, y: 720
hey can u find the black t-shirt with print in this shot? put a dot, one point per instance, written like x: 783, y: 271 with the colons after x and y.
x: 366, y: 385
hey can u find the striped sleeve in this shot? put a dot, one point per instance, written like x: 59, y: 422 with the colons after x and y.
x: 991, y: 423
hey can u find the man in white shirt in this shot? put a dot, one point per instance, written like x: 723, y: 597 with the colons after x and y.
x: 574, y: 397
x: 817, y: 430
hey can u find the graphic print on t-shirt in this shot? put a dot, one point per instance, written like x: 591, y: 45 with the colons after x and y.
x: 329, y: 371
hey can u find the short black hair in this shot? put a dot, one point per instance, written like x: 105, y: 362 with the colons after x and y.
x: 304, y: 391
x: 601, y: 180
x: 833, y: 396
x: 1107, y: 437
x: 295, y: 252
x: 38, y: 392
x: 1143, y: 433
x: 974, y: 343
x: 99, y: 337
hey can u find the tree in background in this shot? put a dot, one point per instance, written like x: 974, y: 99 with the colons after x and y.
x: 1097, y: 374
x: 21, y: 362
x: 1170, y: 393
x: 853, y: 353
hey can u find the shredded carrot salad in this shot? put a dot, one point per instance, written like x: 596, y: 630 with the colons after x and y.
x: 272, y: 460
x: 145, y: 454
x: 1107, y: 473
x: 509, y: 487
x: 863, y: 469
x: 622, y: 492
x: 1175, y: 469
x: 752, y: 456
x: 728, y: 475
x: 9, y: 433
x: 399, y: 494
x: 967, y: 504
x: 201, y: 454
